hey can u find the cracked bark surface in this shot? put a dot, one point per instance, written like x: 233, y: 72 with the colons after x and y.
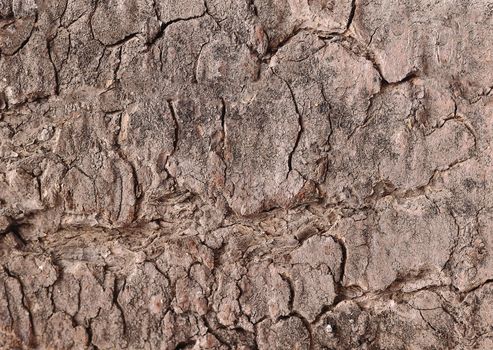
x: 263, y: 174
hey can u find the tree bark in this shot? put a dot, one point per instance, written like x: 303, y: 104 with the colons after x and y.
x: 246, y: 174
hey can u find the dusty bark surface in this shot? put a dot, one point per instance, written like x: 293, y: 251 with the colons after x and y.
x: 263, y: 174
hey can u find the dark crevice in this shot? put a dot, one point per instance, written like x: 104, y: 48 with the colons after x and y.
x: 300, y: 125
x: 156, y: 10
x: 9, y: 310
x: 223, y: 118
x: 91, y: 15
x: 117, y: 68
x: 254, y: 8
x: 64, y: 10
x: 25, y: 305
x: 215, y: 332
x: 408, y: 77
x: 207, y: 11
x: 55, y: 70
x: 371, y: 37
x: 288, y: 281
x: 164, y: 26
x: 427, y: 322
x: 308, y: 329
x: 119, y: 183
x: 185, y: 344
x: 121, y: 41
x: 351, y: 14
x: 14, y: 229
x: 329, y: 117
x: 272, y: 50
x: 384, y: 85
x: 455, y: 243
x: 89, y: 330
x: 223, y: 140
x: 342, y: 245
x: 90, y: 336
x: 79, y: 297
x: 25, y: 41
x: 116, y: 292
x: 327, y: 308
x: 176, y: 129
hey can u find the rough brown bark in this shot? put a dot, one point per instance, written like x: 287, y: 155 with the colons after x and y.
x: 262, y: 174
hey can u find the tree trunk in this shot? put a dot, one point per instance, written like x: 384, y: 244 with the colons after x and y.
x: 246, y: 174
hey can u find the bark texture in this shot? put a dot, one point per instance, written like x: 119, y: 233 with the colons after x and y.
x: 246, y: 174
